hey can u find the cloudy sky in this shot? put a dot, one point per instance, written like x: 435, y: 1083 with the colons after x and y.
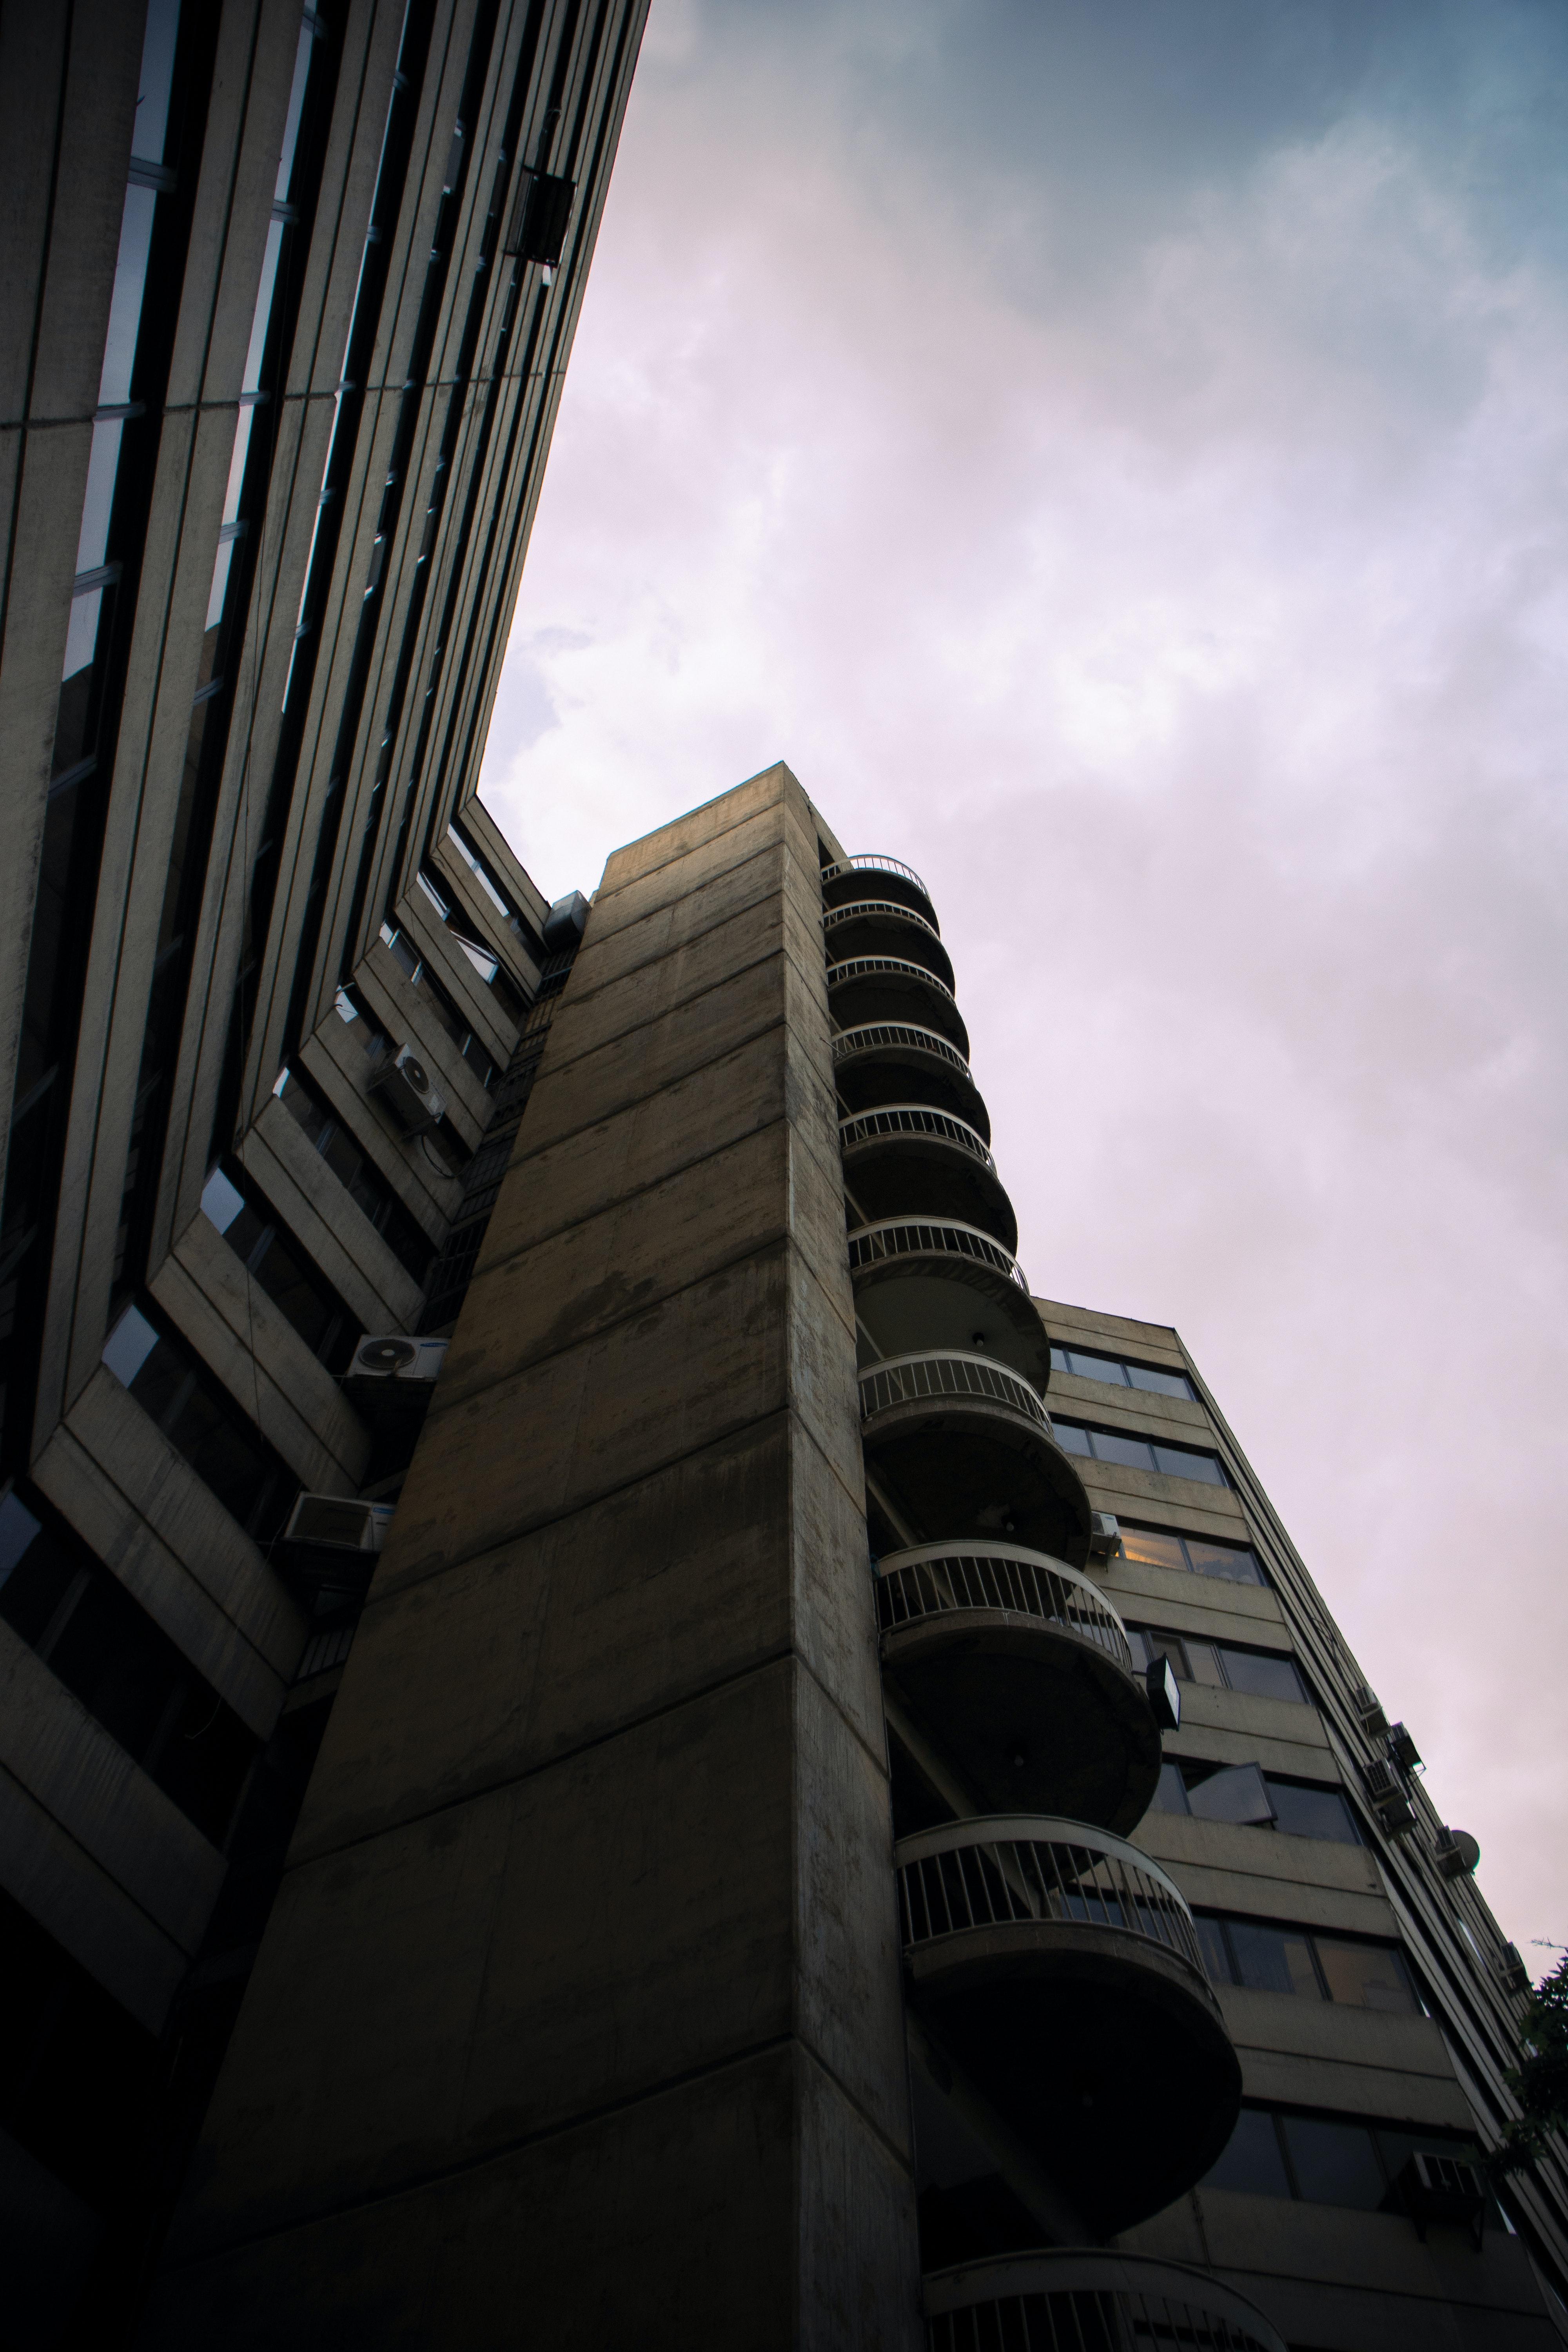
x: 1115, y: 451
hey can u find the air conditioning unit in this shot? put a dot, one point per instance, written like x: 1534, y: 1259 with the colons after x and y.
x: 1403, y: 1749
x: 1164, y: 1693
x: 1512, y: 1971
x: 1458, y: 1853
x: 409, y: 1092
x: 334, y: 1539
x: 1434, y: 2187
x: 1104, y: 1536
x: 1373, y: 1721
x: 1387, y: 1789
x: 381, y: 1358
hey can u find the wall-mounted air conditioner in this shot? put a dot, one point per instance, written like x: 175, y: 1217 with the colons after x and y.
x: 1387, y: 1789
x: 1104, y: 1536
x: 1403, y: 1749
x: 334, y: 1539
x: 408, y: 1091
x: 1434, y: 2187
x: 1373, y: 1721
x: 383, y: 1358
x: 1512, y: 1971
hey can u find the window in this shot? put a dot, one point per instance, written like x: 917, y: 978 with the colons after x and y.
x: 1268, y: 1958
x: 175, y: 1389
x: 1120, y: 1374
x: 1261, y: 1673
x: 402, y: 949
x: 278, y: 1265
x: 1245, y: 1793
x: 1325, y: 2159
x: 369, y: 1191
x: 103, y: 1645
x: 1139, y: 1453
x: 1196, y: 1555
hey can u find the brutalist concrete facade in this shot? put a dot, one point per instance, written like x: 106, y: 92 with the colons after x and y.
x: 743, y: 1779
x: 599, y: 1843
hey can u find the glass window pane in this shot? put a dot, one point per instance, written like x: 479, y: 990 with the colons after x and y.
x: 129, y: 1345
x: 1171, y: 1791
x: 1096, y: 1368
x: 1263, y: 1677
x: 1203, y: 1665
x: 1274, y: 1960
x: 1115, y: 1445
x: 1070, y: 1437
x: 1334, y: 2164
x: 1235, y: 1562
x: 1185, y: 1462
x: 1252, y: 2161
x: 36, y: 1570
x: 1236, y: 1794
x: 221, y: 1201
x: 1312, y: 1812
x: 1058, y: 1360
x: 1142, y: 1376
x: 1148, y: 1546
x: 287, y: 1284
x: 1211, y: 1943
x: 1368, y: 1976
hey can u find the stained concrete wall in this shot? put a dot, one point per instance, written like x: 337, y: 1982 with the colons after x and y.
x: 578, y: 2017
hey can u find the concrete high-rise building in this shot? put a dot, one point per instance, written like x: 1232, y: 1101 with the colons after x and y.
x: 614, y: 1734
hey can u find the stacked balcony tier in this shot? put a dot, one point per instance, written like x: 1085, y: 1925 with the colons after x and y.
x: 1083, y: 2299
x: 905, y: 1156
x: 1059, y: 1968
x: 1020, y: 1670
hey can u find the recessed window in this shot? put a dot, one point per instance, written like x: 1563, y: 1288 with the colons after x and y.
x: 177, y: 1391
x: 1261, y: 1673
x: 1246, y: 1794
x: 364, y: 1185
x: 1119, y: 1373
x: 1193, y: 1555
x: 1326, y: 2160
x: 280, y: 1266
x: 1134, y: 1453
x: 1268, y: 1958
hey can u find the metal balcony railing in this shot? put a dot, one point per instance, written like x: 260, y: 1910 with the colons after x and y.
x: 934, y: 1579
x: 874, y: 864
x: 911, y: 1380
x: 859, y: 910
x: 1072, y: 2300
x: 874, y: 1035
x: 1022, y: 1869
x: 907, y: 1237
x: 894, y: 1119
x: 839, y: 975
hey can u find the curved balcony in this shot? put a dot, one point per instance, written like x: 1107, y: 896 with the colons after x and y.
x: 868, y: 926
x: 885, y: 877
x: 959, y: 1446
x: 906, y: 1159
x: 889, y: 988
x: 1091, y: 2300
x: 923, y: 1282
x: 884, y: 1062
x: 1060, y: 1968
x: 1021, y: 1670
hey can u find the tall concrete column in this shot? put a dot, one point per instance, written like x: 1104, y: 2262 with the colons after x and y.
x: 578, y: 2020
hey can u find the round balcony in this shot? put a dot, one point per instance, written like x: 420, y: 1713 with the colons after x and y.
x: 1021, y: 1672
x: 882, y: 927
x: 884, y: 1062
x: 861, y: 989
x: 907, y: 1160
x: 959, y: 1446
x: 925, y: 1282
x: 1091, y: 2300
x: 879, y: 877
x: 1060, y: 1969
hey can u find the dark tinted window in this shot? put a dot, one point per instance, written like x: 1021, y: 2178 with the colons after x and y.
x: 176, y: 1390
x: 1312, y: 1812
x: 368, y: 1189
x: 1135, y: 1452
x: 280, y: 1266
x: 1087, y: 1364
x: 1272, y: 1960
x: 1334, y: 2163
x: 1262, y: 1676
x: 1253, y: 2161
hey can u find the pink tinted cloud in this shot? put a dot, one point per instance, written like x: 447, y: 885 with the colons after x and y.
x: 1186, y: 598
